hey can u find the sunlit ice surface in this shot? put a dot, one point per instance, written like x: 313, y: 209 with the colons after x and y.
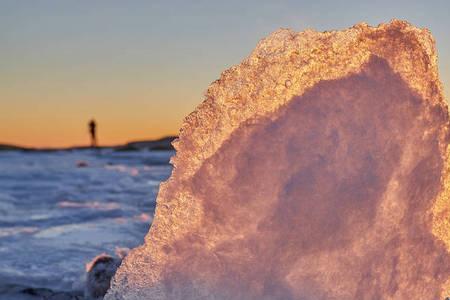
x: 58, y: 210
x: 316, y: 169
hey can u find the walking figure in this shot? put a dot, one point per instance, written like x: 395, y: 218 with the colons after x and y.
x: 92, y: 131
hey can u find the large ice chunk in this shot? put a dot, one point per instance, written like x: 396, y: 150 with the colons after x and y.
x: 315, y: 169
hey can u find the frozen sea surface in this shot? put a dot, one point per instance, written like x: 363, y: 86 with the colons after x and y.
x: 56, y: 216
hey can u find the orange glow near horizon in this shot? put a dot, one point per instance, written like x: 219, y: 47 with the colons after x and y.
x: 108, y: 135
x: 40, y: 116
x: 53, y: 108
x: 51, y: 124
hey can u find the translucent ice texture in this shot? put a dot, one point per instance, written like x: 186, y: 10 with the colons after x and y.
x: 316, y: 169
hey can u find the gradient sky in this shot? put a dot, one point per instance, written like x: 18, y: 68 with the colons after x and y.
x: 139, y: 67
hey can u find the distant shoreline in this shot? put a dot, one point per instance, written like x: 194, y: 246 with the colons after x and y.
x: 164, y: 143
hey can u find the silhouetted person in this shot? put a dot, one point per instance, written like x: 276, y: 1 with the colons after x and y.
x: 92, y: 131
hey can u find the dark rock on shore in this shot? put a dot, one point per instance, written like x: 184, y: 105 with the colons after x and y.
x: 161, y: 144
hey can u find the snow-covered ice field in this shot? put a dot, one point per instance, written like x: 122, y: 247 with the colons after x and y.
x: 56, y: 216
